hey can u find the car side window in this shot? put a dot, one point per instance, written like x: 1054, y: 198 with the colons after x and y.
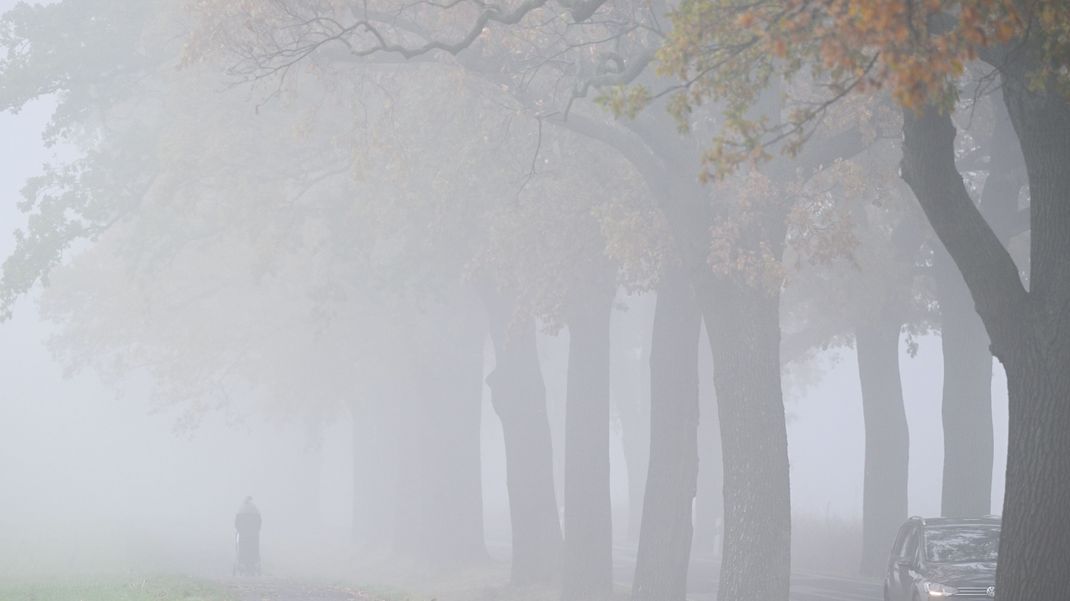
x: 910, y: 545
x: 900, y: 539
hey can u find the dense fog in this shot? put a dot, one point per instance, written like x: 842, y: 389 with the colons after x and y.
x: 577, y: 300
x: 100, y: 478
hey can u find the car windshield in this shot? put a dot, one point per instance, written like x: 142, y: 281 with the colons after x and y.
x: 961, y: 544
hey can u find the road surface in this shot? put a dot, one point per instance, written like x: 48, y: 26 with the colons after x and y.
x: 702, y: 586
x: 702, y: 583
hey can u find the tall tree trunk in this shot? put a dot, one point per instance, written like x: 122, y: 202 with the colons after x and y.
x: 1034, y: 550
x: 1035, y: 350
x: 519, y: 398
x: 665, y: 535
x: 637, y: 462
x: 967, y: 410
x: 743, y: 330
x: 884, y: 497
x: 743, y: 326
x: 587, y: 574
x: 709, y: 503
x: 967, y: 402
x: 630, y: 393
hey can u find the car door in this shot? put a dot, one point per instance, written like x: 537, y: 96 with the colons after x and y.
x: 890, y: 577
x: 903, y: 583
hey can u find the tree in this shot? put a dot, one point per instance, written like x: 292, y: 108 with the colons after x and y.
x: 519, y: 397
x: 918, y: 51
x: 661, y: 571
x: 176, y: 173
x: 397, y: 240
x: 967, y: 411
x: 709, y: 499
x: 558, y: 266
x: 739, y: 298
x: 759, y: 444
x: 630, y: 392
x: 866, y: 251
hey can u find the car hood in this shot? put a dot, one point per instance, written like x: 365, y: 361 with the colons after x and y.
x: 963, y: 574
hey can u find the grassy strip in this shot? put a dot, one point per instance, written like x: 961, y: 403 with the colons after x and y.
x: 112, y: 588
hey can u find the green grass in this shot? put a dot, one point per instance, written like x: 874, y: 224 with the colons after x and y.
x: 122, y: 588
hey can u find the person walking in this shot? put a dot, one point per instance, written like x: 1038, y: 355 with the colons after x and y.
x: 247, y: 526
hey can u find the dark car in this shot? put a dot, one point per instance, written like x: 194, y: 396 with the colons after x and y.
x: 937, y: 558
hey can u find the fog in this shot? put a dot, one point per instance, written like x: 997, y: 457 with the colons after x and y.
x: 523, y: 318
x: 99, y: 479
x: 96, y: 480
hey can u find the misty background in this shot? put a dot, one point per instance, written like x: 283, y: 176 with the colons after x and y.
x: 604, y: 293
x: 97, y: 478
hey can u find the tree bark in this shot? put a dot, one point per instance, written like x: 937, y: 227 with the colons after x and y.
x: 1035, y: 545
x: 666, y: 531
x: 1034, y: 550
x: 587, y: 574
x: 743, y: 327
x: 967, y: 397
x: 884, y: 497
x: 518, y: 395
x: 743, y: 330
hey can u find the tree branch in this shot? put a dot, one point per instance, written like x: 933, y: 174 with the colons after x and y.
x: 991, y: 275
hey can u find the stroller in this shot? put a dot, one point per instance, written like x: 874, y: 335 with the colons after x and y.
x: 247, y: 558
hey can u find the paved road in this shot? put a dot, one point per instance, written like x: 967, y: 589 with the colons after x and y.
x: 815, y: 587
x: 804, y: 587
x: 702, y: 583
x: 702, y: 586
